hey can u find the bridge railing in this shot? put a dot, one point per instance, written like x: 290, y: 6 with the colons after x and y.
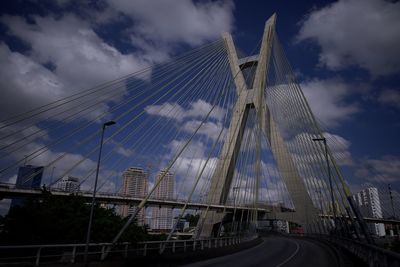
x: 370, y: 254
x: 71, y: 253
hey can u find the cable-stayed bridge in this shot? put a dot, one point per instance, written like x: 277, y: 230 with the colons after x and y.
x: 234, y: 131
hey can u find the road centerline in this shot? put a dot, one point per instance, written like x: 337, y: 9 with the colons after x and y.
x: 291, y: 256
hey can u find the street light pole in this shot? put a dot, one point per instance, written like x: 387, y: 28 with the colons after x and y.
x: 329, y: 175
x: 109, y: 123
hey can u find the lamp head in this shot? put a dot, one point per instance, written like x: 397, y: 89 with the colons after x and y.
x: 109, y: 123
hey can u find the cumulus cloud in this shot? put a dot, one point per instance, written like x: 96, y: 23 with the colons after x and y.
x: 25, y: 84
x: 309, y: 157
x: 328, y: 100
x: 167, y: 110
x: 209, y: 128
x: 195, y: 148
x: 66, y: 54
x: 381, y: 170
x: 178, y: 21
x: 79, y: 60
x: 196, y: 109
x: 126, y: 152
x: 351, y: 32
x: 189, y: 118
x: 340, y: 148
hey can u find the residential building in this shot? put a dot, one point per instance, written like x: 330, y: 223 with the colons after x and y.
x: 134, y: 184
x: 370, y: 206
x: 162, y: 219
x: 29, y: 176
x: 69, y: 184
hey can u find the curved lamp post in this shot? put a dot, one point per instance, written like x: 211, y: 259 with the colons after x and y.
x: 109, y: 123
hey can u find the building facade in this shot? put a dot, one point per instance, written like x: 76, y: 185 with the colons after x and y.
x: 162, y: 218
x: 29, y: 176
x: 69, y: 184
x: 134, y: 184
x: 370, y: 206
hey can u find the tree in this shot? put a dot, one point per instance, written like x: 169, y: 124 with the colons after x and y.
x: 57, y: 219
x: 192, y: 219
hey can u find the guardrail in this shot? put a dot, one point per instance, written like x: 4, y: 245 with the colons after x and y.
x: 71, y: 253
x: 373, y: 256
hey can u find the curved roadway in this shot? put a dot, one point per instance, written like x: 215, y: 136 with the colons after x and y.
x: 278, y: 252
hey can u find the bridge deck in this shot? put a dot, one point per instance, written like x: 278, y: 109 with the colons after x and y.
x: 6, y: 192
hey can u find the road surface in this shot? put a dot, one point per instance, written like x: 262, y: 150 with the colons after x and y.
x: 278, y: 252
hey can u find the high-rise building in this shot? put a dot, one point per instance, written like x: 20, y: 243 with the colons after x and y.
x: 69, y: 184
x: 134, y: 184
x: 162, y: 218
x: 370, y: 206
x: 29, y: 176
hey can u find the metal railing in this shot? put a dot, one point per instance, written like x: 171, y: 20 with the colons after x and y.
x: 71, y: 253
x: 372, y: 255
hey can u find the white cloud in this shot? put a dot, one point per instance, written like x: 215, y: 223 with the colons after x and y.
x: 352, y: 32
x: 25, y: 84
x: 179, y: 21
x: 167, y: 110
x: 119, y: 148
x: 340, y: 148
x: 308, y: 159
x: 196, y: 109
x: 194, y: 148
x: 390, y: 97
x: 208, y: 128
x: 200, y: 108
x: 126, y: 152
x: 80, y: 59
x: 188, y: 170
x: 328, y: 100
x: 382, y: 170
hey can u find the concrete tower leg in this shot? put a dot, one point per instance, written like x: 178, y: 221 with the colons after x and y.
x: 247, y: 99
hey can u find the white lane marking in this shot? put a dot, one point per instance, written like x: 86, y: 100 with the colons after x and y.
x: 291, y: 256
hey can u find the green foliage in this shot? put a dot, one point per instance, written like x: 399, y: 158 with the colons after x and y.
x: 63, y: 220
x: 192, y: 219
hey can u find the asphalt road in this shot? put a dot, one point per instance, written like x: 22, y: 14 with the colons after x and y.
x: 278, y: 252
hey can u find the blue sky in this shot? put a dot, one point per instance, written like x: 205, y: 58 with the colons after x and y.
x: 345, y: 55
